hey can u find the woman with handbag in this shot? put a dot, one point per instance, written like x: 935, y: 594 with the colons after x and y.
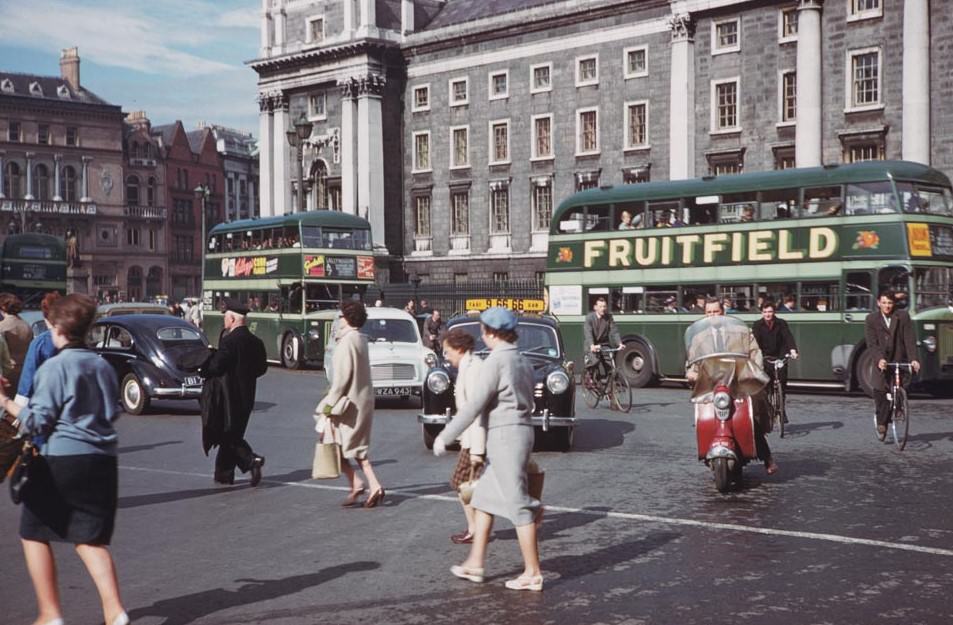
x: 458, y: 350
x: 72, y: 488
x: 349, y: 404
x: 505, y: 395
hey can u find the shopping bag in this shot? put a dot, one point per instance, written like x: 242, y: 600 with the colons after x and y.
x: 327, y: 456
x: 466, y: 488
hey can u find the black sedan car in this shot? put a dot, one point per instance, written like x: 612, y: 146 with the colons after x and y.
x: 144, y: 351
x: 554, y: 413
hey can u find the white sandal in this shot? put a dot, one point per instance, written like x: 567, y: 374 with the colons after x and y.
x: 465, y: 572
x: 526, y: 583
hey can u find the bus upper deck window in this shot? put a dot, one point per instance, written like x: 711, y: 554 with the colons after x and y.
x: 779, y: 204
x: 629, y: 216
x: 311, y: 236
x: 870, y: 197
x: 822, y: 202
x: 665, y: 215
x: 572, y: 222
x: 921, y: 199
x: 599, y: 218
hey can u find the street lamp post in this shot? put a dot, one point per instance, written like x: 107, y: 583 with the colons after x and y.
x: 297, y: 137
x: 201, y: 193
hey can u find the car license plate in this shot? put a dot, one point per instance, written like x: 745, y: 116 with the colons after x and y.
x: 193, y: 380
x: 392, y: 391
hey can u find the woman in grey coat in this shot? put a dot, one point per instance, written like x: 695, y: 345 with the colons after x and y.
x: 505, y: 397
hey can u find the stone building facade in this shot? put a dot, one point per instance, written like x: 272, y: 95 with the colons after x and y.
x: 488, y: 114
x: 239, y: 152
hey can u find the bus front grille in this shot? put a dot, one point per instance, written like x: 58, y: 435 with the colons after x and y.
x: 393, y: 371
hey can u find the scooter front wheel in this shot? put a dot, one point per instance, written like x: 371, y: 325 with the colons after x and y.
x: 719, y: 467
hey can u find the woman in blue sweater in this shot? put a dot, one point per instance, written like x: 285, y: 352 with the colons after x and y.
x: 73, y: 488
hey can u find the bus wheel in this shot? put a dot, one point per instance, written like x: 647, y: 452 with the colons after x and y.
x: 291, y: 356
x: 635, y: 362
x: 865, y: 372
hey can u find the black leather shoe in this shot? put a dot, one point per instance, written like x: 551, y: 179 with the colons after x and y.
x: 256, y: 466
x: 224, y: 478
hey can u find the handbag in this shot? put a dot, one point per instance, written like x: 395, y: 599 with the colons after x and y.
x: 20, y: 477
x: 327, y: 457
x: 466, y: 488
x: 11, y: 444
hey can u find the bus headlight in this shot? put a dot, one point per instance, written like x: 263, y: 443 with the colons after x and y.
x: 930, y: 343
x: 430, y: 360
x: 557, y: 382
x: 438, y: 382
x: 313, y: 334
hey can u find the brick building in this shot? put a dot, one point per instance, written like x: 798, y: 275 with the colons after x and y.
x: 457, y: 126
x: 191, y: 160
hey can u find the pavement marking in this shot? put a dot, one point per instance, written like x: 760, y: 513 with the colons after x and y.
x: 628, y: 516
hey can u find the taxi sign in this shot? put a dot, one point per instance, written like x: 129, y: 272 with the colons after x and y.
x: 526, y: 305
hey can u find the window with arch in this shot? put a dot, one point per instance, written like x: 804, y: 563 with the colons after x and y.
x: 319, y: 184
x: 13, y: 181
x: 68, y: 184
x: 151, y: 192
x: 41, y: 182
x: 132, y: 190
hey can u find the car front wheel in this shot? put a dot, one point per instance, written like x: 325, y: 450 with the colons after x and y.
x: 135, y: 400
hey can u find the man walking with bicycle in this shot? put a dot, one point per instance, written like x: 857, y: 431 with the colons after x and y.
x: 776, y: 342
x: 890, y: 338
x: 600, y: 329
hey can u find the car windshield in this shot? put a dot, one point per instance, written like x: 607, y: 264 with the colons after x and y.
x: 534, y: 339
x: 391, y: 331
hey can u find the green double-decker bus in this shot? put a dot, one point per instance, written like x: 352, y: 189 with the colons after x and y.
x: 819, y: 242
x: 32, y: 265
x: 292, y: 272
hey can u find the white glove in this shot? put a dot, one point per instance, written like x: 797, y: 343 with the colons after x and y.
x: 439, y: 447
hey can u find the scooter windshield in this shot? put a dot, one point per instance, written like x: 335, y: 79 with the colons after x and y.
x: 719, y: 349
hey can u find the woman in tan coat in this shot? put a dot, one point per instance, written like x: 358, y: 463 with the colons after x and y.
x: 17, y: 334
x: 352, y: 379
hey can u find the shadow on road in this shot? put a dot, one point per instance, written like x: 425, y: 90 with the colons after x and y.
x: 134, y: 448
x: 800, y: 430
x: 554, y: 524
x: 596, y: 434
x: 189, y: 608
x: 264, y: 406
x: 570, y: 567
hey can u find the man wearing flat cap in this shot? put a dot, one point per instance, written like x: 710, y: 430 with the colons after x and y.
x: 229, y: 396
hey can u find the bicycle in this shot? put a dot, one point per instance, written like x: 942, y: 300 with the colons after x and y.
x: 776, y: 393
x: 614, y: 386
x: 899, y: 406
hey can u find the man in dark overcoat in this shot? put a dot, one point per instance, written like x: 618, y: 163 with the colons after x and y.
x: 231, y: 376
x: 776, y: 341
x: 889, y: 335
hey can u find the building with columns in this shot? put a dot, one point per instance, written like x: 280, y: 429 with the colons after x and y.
x: 457, y: 126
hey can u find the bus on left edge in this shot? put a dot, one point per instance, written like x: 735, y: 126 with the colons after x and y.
x: 32, y: 265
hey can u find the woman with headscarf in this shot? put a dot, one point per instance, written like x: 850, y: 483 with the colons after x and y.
x: 505, y: 397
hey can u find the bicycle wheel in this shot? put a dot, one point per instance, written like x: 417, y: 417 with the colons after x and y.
x: 591, y: 392
x: 779, y: 409
x: 621, y: 392
x: 900, y: 425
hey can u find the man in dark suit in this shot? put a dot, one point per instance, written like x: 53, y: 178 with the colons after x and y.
x: 890, y: 338
x: 776, y: 341
x: 239, y: 361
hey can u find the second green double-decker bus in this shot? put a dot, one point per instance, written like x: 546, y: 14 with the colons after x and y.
x: 292, y: 272
x: 32, y: 265
x: 819, y: 242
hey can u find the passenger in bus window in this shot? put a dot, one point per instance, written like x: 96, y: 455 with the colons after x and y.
x: 699, y: 305
x: 675, y: 220
x: 788, y: 304
x: 728, y: 305
x: 671, y: 305
x: 835, y: 209
x: 747, y: 214
x: 822, y: 304
x: 628, y: 222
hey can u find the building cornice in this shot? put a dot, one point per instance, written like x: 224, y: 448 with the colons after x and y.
x: 41, y: 105
x: 308, y: 58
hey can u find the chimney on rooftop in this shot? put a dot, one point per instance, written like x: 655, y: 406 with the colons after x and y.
x: 69, y: 67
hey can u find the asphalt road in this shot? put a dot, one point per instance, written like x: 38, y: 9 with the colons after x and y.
x: 850, y: 530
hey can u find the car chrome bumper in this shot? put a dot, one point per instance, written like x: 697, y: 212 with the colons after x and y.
x: 183, y: 392
x: 545, y: 420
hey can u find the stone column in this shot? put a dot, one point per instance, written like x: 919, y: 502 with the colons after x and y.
x: 368, y: 14
x: 349, y: 89
x: 349, y: 21
x: 57, y: 165
x: 85, y: 197
x: 279, y: 17
x: 281, y: 178
x: 2, y: 173
x: 406, y: 17
x: 808, y: 149
x: 29, y: 177
x: 682, y: 99
x: 370, y: 155
x: 266, y: 27
x: 266, y: 174
x: 916, y: 81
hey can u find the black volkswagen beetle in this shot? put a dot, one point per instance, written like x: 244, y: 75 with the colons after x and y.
x: 540, y: 341
x: 144, y: 351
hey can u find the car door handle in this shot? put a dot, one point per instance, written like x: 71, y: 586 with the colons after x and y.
x: 848, y: 317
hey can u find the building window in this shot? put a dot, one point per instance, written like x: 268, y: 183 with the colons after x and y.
x: 460, y: 212
x: 863, y: 9
x: 43, y: 134
x: 864, y: 77
x: 459, y: 91
x: 636, y: 125
x: 587, y: 70
x: 68, y: 184
x: 636, y: 61
x: 587, y: 131
x: 72, y: 136
x: 13, y: 132
x: 542, y: 199
x: 422, y: 216
x: 788, y: 97
x: 132, y: 190
x: 316, y: 29
x: 500, y: 138
x: 587, y: 180
x: 636, y: 175
x: 543, y: 137
x: 501, y: 276
x: 13, y: 181
x: 151, y: 192
x: 318, y: 106
x: 460, y: 150
x: 499, y: 85
x: 857, y: 152
x: 422, y: 151
x: 421, y: 101
x: 460, y: 278
x: 541, y: 78
x: 133, y: 237
x: 787, y: 25
x: 726, y: 36
x: 499, y: 209
x: 784, y: 159
x: 726, y: 164
x: 41, y: 183
x: 153, y: 240
x: 724, y: 112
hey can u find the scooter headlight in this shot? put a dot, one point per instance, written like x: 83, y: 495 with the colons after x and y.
x: 722, y: 400
x: 558, y: 382
x: 438, y: 382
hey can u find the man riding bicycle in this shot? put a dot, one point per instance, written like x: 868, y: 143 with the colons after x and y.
x: 889, y: 335
x: 776, y: 342
x: 598, y: 331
